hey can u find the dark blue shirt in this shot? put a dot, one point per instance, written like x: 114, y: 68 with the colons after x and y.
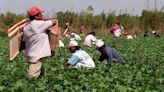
x: 108, y: 54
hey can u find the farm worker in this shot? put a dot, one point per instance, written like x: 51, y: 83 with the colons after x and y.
x: 108, y: 53
x: 146, y: 34
x: 79, y: 58
x: 82, y: 29
x: 75, y: 36
x: 155, y: 34
x: 128, y: 36
x: 36, y: 41
x: 90, y: 39
x: 117, y: 29
x: 67, y: 29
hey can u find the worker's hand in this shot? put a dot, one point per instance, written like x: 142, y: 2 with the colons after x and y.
x: 53, y: 22
x: 66, y: 64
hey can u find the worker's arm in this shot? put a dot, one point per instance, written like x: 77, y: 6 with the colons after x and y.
x: 53, y: 20
x: 44, y: 25
x: 65, y: 31
x: 72, y: 61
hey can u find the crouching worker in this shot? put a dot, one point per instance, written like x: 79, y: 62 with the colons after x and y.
x: 155, y: 34
x: 36, y: 41
x: 90, y: 39
x: 108, y: 53
x: 79, y: 58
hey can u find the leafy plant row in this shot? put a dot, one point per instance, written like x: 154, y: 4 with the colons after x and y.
x: 144, y: 71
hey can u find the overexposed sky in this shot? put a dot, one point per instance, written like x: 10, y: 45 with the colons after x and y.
x: 133, y: 7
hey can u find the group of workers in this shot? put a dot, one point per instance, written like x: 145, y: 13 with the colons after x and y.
x: 154, y: 33
x: 37, y: 44
x: 118, y: 29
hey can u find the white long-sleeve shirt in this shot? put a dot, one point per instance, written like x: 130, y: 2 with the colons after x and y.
x: 81, y: 59
x: 36, y: 40
x: 89, y: 40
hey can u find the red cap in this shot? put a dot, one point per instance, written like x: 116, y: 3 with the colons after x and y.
x: 126, y: 33
x: 34, y: 10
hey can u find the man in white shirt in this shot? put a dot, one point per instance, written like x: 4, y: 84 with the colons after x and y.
x: 79, y: 58
x: 36, y: 40
x: 90, y: 39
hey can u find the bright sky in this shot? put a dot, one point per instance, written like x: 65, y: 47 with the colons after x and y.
x: 133, y: 7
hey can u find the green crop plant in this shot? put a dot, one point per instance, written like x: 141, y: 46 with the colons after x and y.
x: 144, y: 71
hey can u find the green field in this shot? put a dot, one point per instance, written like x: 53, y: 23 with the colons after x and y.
x: 144, y: 71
